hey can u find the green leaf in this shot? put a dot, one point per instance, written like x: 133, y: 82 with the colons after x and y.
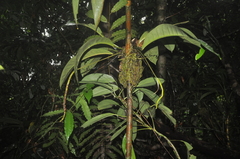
x: 100, y: 90
x: 88, y: 93
x: 119, y: 32
x: 106, y: 103
x: 118, y: 132
x: 98, y: 78
x: 87, y: 65
x: 75, y: 4
x: 167, y: 30
x: 120, y: 4
x: 124, y: 144
x: 167, y: 112
x: 52, y: 113
x: 92, y: 26
x: 200, y: 54
x: 48, y: 143
x: 134, y: 130
x: 78, y: 99
x: 96, y: 52
x: 152, y: 55
x: 143, y: 36
x: 85, y: 108
x: 1, y: 67
x: 150, y: 94
x: 68, y: 124
x: 188, y: 32
x: 118, y: 22
x: 90, y: 15
x: 88, y: 45
x: 96, y: 119
x: 208, y: 47
x: 151, y: 81
x: 68, y: 68
x: 97, y: 7
x: 144, y: 106
x: 169, y: 43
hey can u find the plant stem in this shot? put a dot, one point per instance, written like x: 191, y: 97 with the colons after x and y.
x: 129, y: 87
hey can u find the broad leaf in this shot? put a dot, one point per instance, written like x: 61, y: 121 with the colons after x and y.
x: 97, y: 52
x: 97, y: 119
x: 167, y: 112
x: 151, y: 81
x: 152, y: 55
x: 167, y: 30
x: 97, y: 7
x: 87, y: 65
x: 120, y: 4
x: 52, y: 113
x: 75, y: 4
x: 107, y: 103
x: 98, y: 78
x: 104, y: 90
x: 68, y: 124
x: 68, y: 68
x: 88, y: 45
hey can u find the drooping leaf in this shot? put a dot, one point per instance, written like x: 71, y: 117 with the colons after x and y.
x: 200, y: 54
x: 90, y: 15
x: 150, y: 94
x: 96, y: 119
x: 118, y: 22
x: 107, y: 103
x: 97, y: 7
x: 68, y: 68
x: 68, y: 124
x: 97, y: 52
x: 167, y: 112
x: 169, y: 43
x: 87, y: 65
x: 144, y: 106
x: 152, y: 54
x: 120, y: 4
x: 167, y: 30
x: 188, y: 32
x: 88, y: 45
x: 75, y: 4
x: 208, y: 47
x: 52, y: 113
x: 151, y: 81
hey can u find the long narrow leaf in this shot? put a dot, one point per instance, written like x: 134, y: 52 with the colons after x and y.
x: 75, y: 4
x: 96, y: 119
x: 120, y: 4
x: 68, y: 68
x: 97, y: 7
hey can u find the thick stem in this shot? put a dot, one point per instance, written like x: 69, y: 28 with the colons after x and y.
x: 129, y: 87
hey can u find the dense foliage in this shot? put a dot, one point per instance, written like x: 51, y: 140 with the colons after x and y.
x: 39, y: 40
